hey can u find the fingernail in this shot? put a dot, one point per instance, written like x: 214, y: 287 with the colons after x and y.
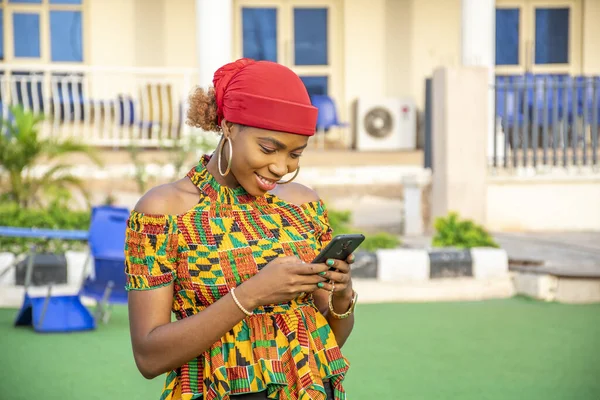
x: 330, y: 262
x: 322, y: 273
x: 320, y: 284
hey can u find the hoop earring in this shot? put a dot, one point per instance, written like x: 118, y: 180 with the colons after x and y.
x: 293, y: 177
x: 225, y: 139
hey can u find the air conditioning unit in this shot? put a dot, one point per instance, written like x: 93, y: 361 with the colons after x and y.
x: 386, y: 124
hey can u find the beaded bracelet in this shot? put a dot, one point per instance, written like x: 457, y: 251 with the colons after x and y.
x: 248, y: 313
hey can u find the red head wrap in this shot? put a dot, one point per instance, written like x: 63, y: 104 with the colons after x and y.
x: 264, y: 94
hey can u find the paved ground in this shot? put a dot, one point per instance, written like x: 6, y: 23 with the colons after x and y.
x: 570, y: 253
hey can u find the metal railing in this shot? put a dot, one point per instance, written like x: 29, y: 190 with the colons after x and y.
x: 104, y: 106
x: 546, y: 121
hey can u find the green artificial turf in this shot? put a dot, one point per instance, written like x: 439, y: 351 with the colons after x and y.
x: 505, y: 349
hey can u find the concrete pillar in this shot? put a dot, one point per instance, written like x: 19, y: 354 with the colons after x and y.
x: 460, y: 120
x: 214, y: 20
x: 478, y: 48
x: 413, y: 186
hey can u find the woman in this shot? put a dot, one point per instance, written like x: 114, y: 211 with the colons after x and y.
x: 228, y: 249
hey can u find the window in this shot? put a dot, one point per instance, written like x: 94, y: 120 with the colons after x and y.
x: 315, y: 85
x: 65, y: 36
x: 41, y: 31
x: 539, y: 36
x: 310, y: 36
x: 259, y: 26
x: 507, y: 36
x: 551, y: 35
x: 299, y: 34
x: 26, y: 34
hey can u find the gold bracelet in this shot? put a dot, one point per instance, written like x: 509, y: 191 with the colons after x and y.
x: 350, y: 308
x: 248, y: 313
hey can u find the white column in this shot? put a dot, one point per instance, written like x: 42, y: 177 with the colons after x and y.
x: 214, y: 23
x: 479, y: 48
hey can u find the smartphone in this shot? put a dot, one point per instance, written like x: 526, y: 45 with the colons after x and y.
x: 340, y: 247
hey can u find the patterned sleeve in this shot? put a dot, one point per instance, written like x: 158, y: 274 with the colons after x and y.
x: 317, y: 212
x: 151, y: 251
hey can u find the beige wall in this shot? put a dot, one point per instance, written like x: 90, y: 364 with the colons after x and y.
x: 435, y: 41
x: 398, y: 47
x: 543, y: 204
x: 141, y: 33
x: 591, y: 35
x: 111, y: 32
x: 150, y: 33
x: 180, y: 34
x: 364, y: 35
x: 391, y: 46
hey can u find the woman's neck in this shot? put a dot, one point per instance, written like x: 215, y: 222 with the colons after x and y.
x: 213, y: 168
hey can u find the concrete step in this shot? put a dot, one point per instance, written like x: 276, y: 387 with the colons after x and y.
x: 562, y: 289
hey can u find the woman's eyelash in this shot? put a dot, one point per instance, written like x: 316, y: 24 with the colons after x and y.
x: 268, y: 151
x: 271, y: 151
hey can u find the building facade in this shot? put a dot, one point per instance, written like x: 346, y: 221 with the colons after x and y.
x: 345, y: 48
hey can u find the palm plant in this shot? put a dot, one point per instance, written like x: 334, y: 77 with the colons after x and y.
x: 22, y: 148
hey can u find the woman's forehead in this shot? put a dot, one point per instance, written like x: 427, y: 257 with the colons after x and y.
x: 288, y: 139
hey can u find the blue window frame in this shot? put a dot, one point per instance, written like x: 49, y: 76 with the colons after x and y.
x: 310, y: 36
x: 65, y: 36
x: 259, y: 29
x: 316, y: 85
x: 507, y: 36
x: 65, y: 30
x: 26, y: 34
x: 552, y: 35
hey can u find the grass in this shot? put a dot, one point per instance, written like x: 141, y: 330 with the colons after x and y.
x: 505, y: 349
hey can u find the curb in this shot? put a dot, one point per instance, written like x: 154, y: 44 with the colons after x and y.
x: 392, y: 275
x: 421, y: 265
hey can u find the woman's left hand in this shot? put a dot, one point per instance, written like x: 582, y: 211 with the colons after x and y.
x: 339, y: 277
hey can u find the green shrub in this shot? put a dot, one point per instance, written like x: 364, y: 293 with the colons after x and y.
x: 381, y: 240
x: 55, y: 216
x: 451, y: 231
x: 340, y: 223
x: 22, y: 149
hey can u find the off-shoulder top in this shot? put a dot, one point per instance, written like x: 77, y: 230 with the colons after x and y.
x: 288, y: 349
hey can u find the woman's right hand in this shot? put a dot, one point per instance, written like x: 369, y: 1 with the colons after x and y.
x: 280, y: 281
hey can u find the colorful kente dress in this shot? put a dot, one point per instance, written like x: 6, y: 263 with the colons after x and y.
x: 286, y: 349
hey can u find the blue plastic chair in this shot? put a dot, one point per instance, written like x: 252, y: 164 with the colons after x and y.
x: 327, y: 117
x: 55, y: 314
x: 50, y: 313
x: 107, y: 245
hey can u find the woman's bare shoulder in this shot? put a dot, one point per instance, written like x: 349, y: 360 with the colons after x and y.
x: 169, y: 199
x: 296, y: 193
